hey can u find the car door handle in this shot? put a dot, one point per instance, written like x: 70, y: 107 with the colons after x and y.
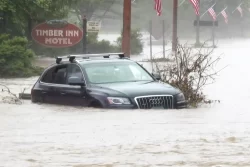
x: 43, y: 92
x: 63, y: 93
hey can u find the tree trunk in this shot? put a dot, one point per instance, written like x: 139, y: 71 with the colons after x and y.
x: 29, y: 28
x: 3, y: 22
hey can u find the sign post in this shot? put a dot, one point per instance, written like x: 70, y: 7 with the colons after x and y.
x: 213, y: 34
x: 212, y: 24
x: 84, y: 38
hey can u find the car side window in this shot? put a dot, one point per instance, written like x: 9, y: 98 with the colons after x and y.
x: 47, y: 77
x: 74, y: 70
x: 56, y: 75
x: 59, y: 76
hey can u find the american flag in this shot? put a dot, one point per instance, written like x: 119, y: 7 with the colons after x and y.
x: 240, y: 10
x: 158, y: 6
x: 196, y: 6
x: 212, y: 13
x: 224, y: 14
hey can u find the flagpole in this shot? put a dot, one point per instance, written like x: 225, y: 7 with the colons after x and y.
x: 213, y: 28
x: 222, y: 11
x: 181, y: 3
x: 207, y: 10
x: 237, y: 7
x: 197, y: 43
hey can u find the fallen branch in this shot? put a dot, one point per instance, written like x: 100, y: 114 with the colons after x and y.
x: 12, y: 98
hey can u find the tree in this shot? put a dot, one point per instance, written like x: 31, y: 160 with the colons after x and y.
x: 15, y: 58
x: 19, y: 16
x: 88, y: 7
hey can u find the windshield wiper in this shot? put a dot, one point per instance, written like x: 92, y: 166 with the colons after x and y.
x: 124, y: 81
x: 149, y: 82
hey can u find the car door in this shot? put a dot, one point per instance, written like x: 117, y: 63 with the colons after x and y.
x: 71, y: 94
x: 59, y: 81
x: 46, y: 91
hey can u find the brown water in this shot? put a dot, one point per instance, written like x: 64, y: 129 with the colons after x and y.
x: 218, y: 135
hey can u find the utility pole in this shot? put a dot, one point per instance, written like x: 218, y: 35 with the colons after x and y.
x: 175, y: 17
x: 126, y: 27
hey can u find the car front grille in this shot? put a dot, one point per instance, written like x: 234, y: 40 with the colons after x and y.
x: 155, y: 101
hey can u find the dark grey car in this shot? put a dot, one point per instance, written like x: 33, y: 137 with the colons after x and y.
x: 104, y: 81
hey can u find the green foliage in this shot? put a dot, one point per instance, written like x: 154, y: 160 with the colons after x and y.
x: 19, y: 16
x: 95, y: 46
x: 103, y: 46
x: 92, y: 38
x: 15, y: 58
x: 136, y: 44
x: 88, y: 7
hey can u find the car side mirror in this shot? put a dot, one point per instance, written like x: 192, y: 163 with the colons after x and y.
x: 156, y: 76
x: 75, y: 81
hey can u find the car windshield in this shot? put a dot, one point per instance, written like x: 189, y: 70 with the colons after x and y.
x: 110, y: 72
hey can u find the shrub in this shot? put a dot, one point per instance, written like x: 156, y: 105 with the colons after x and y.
x: 190, y: 70
x: 95, y: 46
x: 136, y: 44
x: 15, y: 57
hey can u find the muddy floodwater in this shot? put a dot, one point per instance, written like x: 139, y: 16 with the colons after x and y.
x: 216, y: 135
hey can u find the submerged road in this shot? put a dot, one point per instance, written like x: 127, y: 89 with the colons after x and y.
x: 211, y: 136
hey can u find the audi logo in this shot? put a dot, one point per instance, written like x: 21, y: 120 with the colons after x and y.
x: 156, y: 101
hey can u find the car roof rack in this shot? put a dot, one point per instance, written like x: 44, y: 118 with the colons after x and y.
x: 71, y: 58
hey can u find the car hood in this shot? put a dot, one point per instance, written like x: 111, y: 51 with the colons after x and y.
x: 133, y: 89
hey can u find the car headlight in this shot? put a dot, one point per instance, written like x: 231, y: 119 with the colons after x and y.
x: 180, y: 97
x: 118, y: 100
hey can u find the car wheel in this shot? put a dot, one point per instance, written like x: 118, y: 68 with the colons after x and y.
x: 96, y: 104
x: 33, y: 100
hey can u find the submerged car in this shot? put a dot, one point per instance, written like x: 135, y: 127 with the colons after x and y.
x: 108, y: 80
